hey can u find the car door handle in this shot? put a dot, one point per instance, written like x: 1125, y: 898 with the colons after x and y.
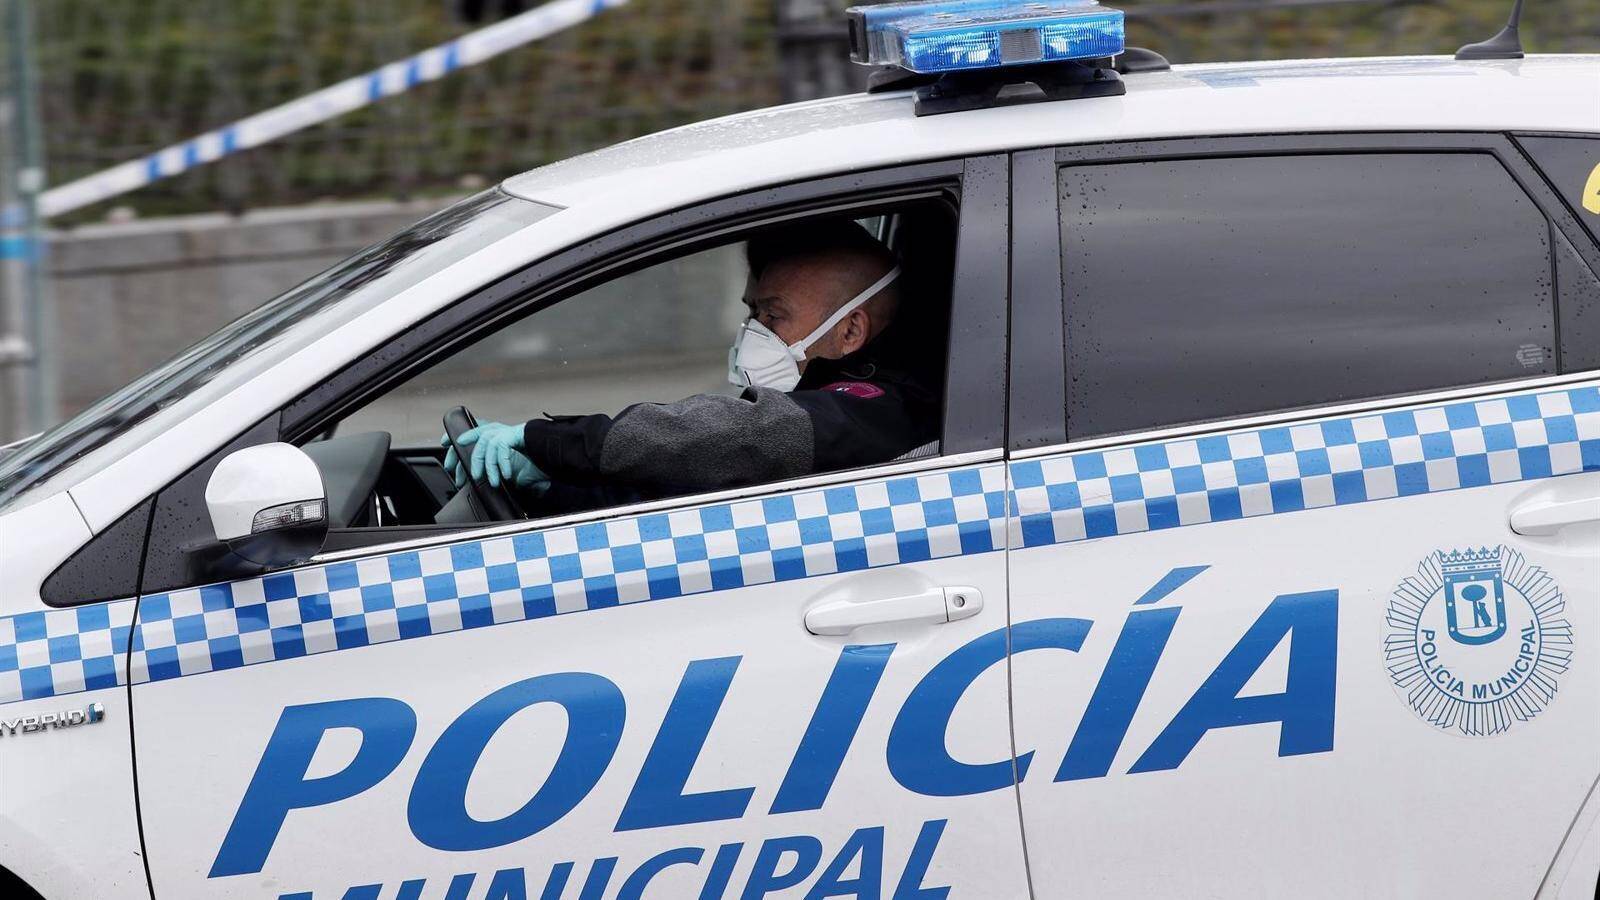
x: 1549, y: 517
x: 934, y: 606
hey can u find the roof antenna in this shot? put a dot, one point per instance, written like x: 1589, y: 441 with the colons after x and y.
x: 1505, y: 45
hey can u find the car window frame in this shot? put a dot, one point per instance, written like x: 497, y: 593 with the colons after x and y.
x: 974, y: 402
x: 1040, y: 269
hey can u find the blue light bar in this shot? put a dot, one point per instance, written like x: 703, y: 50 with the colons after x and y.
x: 957, y: 35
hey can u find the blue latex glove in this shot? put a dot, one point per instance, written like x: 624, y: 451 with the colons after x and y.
x: 496, y: 454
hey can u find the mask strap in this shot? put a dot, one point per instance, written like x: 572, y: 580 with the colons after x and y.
x: 799, y: 347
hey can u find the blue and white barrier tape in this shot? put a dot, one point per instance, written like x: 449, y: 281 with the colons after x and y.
x: 15, y: 247
x: 328, y: 103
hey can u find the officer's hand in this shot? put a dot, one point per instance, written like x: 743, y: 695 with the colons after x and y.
x: 496, y: 454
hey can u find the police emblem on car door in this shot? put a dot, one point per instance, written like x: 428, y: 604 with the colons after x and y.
x: 1478, y: 640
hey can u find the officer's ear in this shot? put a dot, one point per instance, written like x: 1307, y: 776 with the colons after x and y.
x: 854, y: 331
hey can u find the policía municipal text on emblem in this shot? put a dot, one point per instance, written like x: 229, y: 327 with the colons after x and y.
x: 1476, y: 641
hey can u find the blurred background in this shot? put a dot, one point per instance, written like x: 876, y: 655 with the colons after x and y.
x: 127, y: 282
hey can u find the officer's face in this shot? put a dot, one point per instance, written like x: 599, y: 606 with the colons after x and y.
x: 794, y: 298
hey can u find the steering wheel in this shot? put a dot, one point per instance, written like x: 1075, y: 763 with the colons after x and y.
x: 489, y: 503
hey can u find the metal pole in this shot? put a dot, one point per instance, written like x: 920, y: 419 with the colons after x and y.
x: 15, y: 352
x: 27, y: 324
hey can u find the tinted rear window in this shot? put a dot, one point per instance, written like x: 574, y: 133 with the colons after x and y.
x: 1211, y: 288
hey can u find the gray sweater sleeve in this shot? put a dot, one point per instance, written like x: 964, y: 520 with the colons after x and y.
x: 704, y: 442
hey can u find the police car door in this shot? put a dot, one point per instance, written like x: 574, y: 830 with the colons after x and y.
x: 788, y: 691
x: 1305, y: 586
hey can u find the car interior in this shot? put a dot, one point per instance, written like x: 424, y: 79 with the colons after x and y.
x: 383, y: 465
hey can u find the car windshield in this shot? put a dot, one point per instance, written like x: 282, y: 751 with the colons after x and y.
x: 375, y: 274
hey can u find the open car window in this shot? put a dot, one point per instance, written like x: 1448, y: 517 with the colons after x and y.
x: 652, y: 336
x: 655, y: 335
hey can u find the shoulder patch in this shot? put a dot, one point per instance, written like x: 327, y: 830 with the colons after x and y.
x: 861, y: 389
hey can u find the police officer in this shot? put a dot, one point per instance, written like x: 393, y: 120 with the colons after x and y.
x: 829, y: 382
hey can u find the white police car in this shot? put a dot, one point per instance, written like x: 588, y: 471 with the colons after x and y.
x: 1259, y: 556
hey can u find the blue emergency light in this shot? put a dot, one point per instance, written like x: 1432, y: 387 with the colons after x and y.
x: 944, y: 36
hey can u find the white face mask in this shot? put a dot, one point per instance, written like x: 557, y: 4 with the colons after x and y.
x: 760, y: 358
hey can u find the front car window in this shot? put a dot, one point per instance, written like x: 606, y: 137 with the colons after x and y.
x: 346, y: 290
x: 656, y: 335
x: 622, y: 392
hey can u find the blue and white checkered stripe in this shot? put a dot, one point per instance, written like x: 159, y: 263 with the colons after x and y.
x: 1217, y: 478
x: 1074, y: 496
x: 587, y: 567
x: 64, y: 651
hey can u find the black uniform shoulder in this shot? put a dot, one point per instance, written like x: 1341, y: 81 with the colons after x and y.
x: 865, y: 410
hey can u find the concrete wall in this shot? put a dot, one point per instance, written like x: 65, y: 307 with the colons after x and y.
x: 130, y: 296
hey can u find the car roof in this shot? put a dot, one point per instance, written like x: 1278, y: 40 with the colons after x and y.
x: 1557, y: 93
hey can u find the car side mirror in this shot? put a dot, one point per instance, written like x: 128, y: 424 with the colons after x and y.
x: 267, y: 503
